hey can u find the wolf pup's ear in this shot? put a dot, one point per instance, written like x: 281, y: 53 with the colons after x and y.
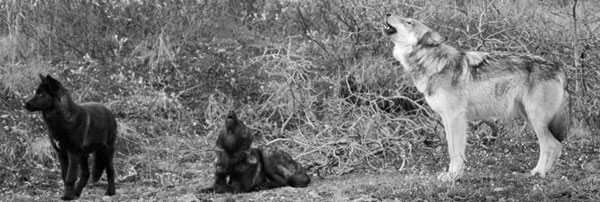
x: 53, y: 82
x: 51, y: 79
x: 432, y: 38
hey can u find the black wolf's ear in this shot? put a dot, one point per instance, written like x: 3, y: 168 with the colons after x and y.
x: 53, y: 82
x: 42, y: 77
x: 432, y: 38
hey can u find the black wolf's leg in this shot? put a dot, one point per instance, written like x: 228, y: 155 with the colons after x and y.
x: 107, y: 158
x: 221, y: 183
x: 248, y: 181
x: 275, y: 180
x: 63, y: 157
x: 236, y: 186
x: 300, y: 179
x: 71, y: 176
x: 98, y: 166
x: 84, y: 175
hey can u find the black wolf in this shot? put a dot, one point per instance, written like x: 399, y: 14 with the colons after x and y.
x: 239, y: 168
x: 75, y: 131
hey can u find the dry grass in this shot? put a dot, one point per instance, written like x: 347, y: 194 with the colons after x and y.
x: 22, y: 78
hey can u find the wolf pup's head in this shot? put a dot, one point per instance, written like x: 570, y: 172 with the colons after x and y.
x: 235, y: 136
x: 46, y: 95
x: 410, y: 32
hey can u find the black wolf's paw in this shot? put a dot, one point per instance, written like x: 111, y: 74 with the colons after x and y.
x: 67, y: 198
x: 78, y: 192
x: 110, y: 192
x: 69, y: 193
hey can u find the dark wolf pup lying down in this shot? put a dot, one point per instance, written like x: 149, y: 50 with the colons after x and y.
x: 75, y: 131
x: 251, y: 169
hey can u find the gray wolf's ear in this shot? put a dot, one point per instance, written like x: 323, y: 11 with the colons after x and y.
x: 432, y: 38
x: 42, y: 77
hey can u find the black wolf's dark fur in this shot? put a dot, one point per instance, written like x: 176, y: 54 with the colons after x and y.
x: 235, y: 136
x: 281, y: 169
x: 240, y: 168
x: 75, y: 131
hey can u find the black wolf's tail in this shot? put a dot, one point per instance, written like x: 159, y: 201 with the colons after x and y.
x: 560, y: 123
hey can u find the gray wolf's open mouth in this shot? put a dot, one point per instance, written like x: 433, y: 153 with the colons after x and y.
x: 388, y: 29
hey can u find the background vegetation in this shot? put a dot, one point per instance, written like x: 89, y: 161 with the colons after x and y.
x: 313, y: 77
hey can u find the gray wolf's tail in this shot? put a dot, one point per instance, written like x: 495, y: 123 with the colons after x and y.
x: 560, y: 123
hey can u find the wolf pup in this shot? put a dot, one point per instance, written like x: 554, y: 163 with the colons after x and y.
x: 75, y: 131
x: 469, y: 85
x: 239, y: 168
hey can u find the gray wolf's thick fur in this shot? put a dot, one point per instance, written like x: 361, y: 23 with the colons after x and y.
x: 468, y: 85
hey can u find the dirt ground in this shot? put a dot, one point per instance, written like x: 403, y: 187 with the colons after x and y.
x: 496, y: 172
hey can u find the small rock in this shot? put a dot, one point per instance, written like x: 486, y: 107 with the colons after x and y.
x: 187, y: 198
x: 107, y: 198
x: 314, y: 194
x: 498, y: 189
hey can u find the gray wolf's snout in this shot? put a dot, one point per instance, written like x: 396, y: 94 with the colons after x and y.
x: 388, y: 29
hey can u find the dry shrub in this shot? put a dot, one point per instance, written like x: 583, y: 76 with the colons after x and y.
x: 303, y: 114
x: 19, y: 147
x: 164, y: 110
x: 22, y: 78
x: 40, y: 151
x: 129, y: 140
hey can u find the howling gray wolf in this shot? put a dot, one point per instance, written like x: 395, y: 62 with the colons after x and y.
x: 469, y: 85
x: 76, y: 131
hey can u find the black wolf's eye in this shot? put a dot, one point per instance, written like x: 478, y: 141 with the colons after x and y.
x: 41, y: 94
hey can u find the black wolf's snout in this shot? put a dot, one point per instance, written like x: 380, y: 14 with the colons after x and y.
x: 29, y: 107
x: 231, y: 120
